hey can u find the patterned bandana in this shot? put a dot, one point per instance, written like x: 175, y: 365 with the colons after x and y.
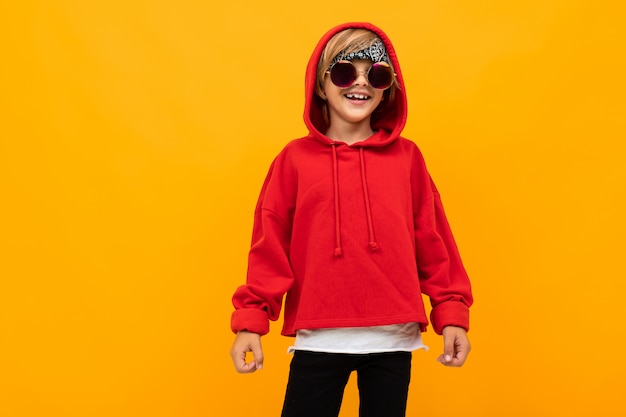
x: 376, y: 52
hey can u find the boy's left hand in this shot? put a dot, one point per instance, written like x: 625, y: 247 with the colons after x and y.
x: 456, y: 346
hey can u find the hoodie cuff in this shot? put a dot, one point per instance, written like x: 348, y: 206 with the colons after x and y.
x: 450, y: 313
x: 250, y: 319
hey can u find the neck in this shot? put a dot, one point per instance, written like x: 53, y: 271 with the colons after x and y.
x: 349, y: 132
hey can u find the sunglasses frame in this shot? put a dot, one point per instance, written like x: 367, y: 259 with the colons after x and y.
x: 356, y: 73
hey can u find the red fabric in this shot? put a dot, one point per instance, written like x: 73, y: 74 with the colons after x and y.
x: 353, y: 235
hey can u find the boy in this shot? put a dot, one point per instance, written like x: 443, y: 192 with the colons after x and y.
x: 350, y: 226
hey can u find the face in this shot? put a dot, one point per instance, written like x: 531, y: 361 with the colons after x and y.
x: 356, y: 103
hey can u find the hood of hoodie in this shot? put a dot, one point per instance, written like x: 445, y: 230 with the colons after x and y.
x: 388, y: 123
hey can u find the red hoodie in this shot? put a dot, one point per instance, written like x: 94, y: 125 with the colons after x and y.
x: 352, y: 234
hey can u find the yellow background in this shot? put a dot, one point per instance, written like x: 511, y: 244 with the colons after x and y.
x: 135, y: 136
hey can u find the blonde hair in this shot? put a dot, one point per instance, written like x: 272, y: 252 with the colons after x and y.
x: 347, y: 41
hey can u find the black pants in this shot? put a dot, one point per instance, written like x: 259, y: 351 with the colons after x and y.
x: 317, y: 381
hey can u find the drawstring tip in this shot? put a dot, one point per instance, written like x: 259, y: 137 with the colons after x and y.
x: 373, y: 246
x: 338, y: 252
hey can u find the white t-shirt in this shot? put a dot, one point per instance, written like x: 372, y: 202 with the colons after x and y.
x: 405, y: 337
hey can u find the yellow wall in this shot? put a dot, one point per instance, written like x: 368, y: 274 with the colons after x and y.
x: 134, y: 137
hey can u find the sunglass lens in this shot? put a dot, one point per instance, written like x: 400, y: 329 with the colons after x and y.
x: 343, y: 74
x: 380, y: 76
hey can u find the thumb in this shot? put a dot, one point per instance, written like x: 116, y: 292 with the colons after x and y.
x: 257, y: 352
x: 448, y: 349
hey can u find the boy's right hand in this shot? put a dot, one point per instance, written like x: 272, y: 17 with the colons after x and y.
x: 247, y: 342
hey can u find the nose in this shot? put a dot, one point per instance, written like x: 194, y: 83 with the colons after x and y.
x: 361, y: 78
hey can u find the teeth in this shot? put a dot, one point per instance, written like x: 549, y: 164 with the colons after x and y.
x: 357, y: 96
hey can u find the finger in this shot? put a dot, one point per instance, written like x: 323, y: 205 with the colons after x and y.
x: 448, y: 350
x: 454, y: 362
x: 244, y: 367
x: 257, y: 352
x: 247, y: 368
x: 457, y: 360
x: 461, y: 353
x: 238, y: 356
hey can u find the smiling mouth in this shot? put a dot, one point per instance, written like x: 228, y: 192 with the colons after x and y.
x: 357, y: 96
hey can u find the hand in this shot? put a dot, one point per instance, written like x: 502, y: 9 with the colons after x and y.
x: 456, y: 346
x: 247, y: 342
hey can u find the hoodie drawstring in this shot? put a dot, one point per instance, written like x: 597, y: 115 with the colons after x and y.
x: 338, y: 250
x: 370, y: 224
x: 373, y: 245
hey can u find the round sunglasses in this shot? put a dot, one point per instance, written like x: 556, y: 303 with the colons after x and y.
x: 343, y: 74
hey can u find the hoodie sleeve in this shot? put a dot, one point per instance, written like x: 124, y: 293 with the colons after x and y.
x: 442, y: 275
x: 269, y: 270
